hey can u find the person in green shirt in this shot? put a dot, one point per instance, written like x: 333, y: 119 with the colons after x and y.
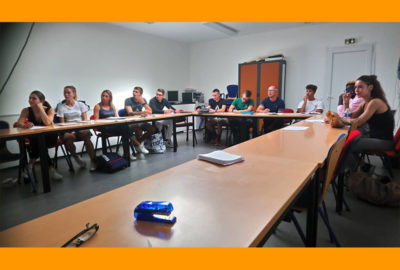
x: 240, y: 126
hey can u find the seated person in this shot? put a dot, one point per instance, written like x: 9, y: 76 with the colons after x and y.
x: 216, y: 104
x: 310, y: 104
x: 134, y: 106
x: 349, y: 100
x: 70, y: 111
x: 39, y: 113
x: 272, y: 104
x: 240, y: 126
x: 106, y: 109
x: 160, y: 105
x: 376, y: 112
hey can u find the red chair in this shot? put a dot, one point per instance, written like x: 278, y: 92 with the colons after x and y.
x: 60, y: 144
x: 99, y: 135
x: 183, y: 122
x: 386, y: 156
x: 287, y: 122
x: 21, y: 157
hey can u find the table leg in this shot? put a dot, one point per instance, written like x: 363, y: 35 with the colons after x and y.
x: 312, y: 212
x: 174, y: 133
x: 194, y: 130
x: 104, y: 144
x: 125, y: 143
x: 256, y: 128
x: 44, y: 163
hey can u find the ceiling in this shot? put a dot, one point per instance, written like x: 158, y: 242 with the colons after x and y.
x: 191, y: 32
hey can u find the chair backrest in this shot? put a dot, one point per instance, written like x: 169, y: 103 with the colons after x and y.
x: 181, y: 119
x: 4, y: 125
x: 63, y: 101
x: 122, y: 113
x: 396, y: 148
x: 233, y: 90
x: 354, y: 126
x: 331, y: 162
x: 288, y: 110
x: 56, y: 119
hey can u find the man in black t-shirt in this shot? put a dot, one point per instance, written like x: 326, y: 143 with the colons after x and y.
x: 160, y: 105
x: 216, y: 104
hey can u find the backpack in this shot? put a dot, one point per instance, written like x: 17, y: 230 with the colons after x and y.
x: 381, y: 190
x: 155, y: 144
x: 111, y: 162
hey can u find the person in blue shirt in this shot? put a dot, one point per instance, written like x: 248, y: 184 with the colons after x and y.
x: 272, y: 104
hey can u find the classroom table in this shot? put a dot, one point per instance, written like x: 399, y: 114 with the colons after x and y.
x: 257, y: 116
x: 123, y: 122
x: 215, y: 205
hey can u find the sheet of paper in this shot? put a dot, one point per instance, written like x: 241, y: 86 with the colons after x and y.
x: 37, y: 127
x: 67, y: 124
x: 295, y: 128
x: 315, y: 120
x: 221, y: 157
x: 105, y: 121
x: 116, y: 118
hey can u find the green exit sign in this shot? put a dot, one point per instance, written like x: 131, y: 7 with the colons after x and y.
x: 349, y: 41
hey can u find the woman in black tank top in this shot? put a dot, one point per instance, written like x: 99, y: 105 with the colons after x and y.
x: 375, y: 112
x: 40, y: 113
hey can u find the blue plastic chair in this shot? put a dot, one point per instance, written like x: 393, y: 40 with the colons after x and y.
x: 233, y: 90
x: 122, y: 113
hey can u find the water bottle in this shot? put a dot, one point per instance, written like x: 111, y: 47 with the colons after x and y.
x: 347, y: 115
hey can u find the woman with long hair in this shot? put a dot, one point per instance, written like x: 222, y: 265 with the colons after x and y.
x: 39, y: 113
x: 375, y: 112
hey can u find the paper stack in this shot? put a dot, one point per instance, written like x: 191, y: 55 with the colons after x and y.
x: 221, y: 157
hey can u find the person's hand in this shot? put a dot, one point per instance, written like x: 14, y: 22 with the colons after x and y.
x: 146, y: 112
x: 305, y: 99
x: 346, y: 98
x: 168, y: 111
x: 28, y: 125
x: 267, y: 110
x: 211, y: 110
x: 39, y: 106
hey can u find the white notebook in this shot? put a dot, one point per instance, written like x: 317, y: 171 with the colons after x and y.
x: 221, y: 157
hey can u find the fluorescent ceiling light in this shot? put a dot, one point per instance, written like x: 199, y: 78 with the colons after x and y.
x: 222, y: 28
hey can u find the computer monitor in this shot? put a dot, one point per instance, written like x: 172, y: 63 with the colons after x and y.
x: 187, y: 98
x: 173, y: 96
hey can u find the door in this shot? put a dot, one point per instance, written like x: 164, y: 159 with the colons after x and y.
x: 346, y: 64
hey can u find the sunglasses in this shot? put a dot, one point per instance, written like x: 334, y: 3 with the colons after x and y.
x: 83, y: 236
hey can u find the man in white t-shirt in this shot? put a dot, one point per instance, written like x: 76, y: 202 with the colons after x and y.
x: 310, y: 104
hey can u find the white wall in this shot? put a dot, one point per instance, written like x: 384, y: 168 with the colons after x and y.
x: 214, y: 64
x: 92, y: 57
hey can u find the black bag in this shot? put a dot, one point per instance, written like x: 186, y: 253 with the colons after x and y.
x: 111, y: 162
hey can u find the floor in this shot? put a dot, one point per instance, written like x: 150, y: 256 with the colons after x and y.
x: 365, y: 225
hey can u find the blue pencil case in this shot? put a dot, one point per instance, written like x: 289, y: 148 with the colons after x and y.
x: 251, y: 112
